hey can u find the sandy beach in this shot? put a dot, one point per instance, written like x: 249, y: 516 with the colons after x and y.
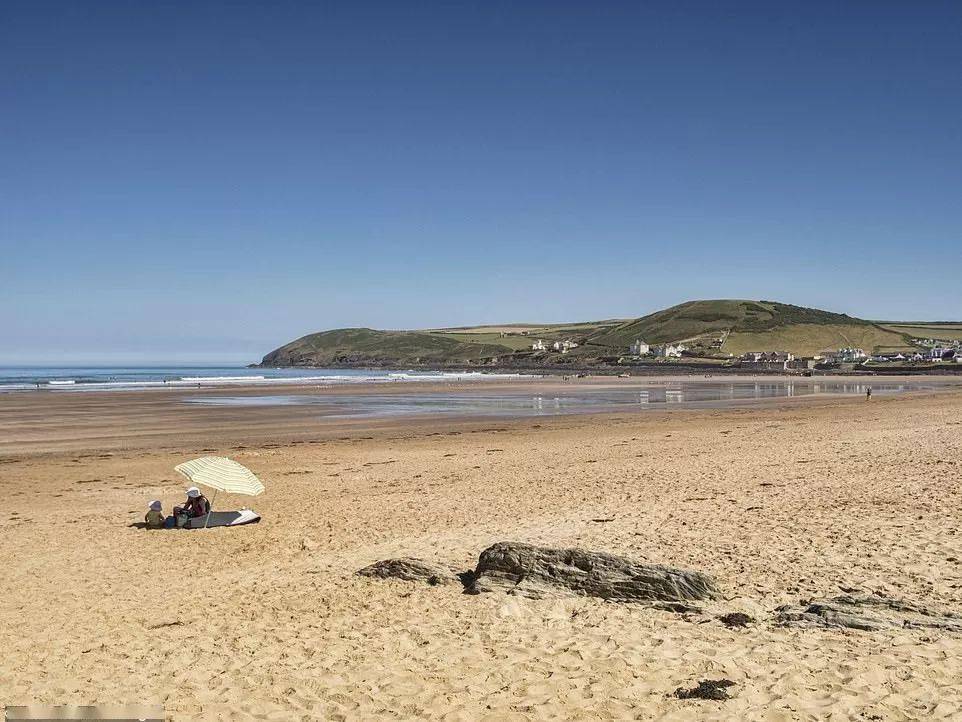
x: 779, y: 502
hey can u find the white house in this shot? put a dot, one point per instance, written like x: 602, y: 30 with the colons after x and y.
x: 639, y: 348
x: 769, y: 360
x: 538, y: 345
x: 768, y: 356
x: 669, y: 350
x: 564, y: 346
x: 845, y: 355
x: 942, y: 353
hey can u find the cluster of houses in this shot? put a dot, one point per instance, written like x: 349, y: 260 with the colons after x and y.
x: 939, y: 351
x: 945, y: 352
x: 847, y: 355
x: 850, y: 355
x: 771, y: 361
x: 559, y: 346
x: 942, y: 343
x: 936, y: 354
x: 668, y: 350
x: 774, y: 360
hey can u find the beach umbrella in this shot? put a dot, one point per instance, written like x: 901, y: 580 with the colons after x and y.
x: 221, y: 474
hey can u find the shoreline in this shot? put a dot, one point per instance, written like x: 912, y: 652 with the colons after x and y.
x: 453, y: 375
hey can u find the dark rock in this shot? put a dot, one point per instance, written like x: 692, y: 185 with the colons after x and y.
x: 539, y: 572
x: 736, y: 619
x: 711, y: 689
x: 409, y: 569
x: 866, y: 612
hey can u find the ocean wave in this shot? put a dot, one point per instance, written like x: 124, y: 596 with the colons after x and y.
x: 113, y: 379
x: 218, y: 379
x: 17, y: 387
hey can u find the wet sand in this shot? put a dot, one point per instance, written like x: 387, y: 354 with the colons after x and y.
x: 144, y: 419
x: 779, y: 501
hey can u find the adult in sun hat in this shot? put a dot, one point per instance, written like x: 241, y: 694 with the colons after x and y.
x: 196, y: 504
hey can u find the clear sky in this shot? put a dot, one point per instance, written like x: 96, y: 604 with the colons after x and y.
x: 206, y: 181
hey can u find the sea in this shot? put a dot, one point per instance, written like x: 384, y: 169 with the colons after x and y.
x: 101, y: 378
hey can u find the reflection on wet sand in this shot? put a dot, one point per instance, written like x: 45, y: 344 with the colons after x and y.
x: 577, y: 400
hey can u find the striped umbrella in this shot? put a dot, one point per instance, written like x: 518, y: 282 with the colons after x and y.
x: 221, y: 474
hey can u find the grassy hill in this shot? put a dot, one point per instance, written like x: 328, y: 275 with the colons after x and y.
x: 698, y: 318
x: 945, y: 330
x: 365, y: 346
x: 713, y: 328
x: 737, y: 326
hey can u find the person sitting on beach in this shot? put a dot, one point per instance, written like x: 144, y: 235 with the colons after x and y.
x: 154, y: 518
x: 196, y: 504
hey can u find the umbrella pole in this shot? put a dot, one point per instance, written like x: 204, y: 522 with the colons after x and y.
x: 210, y: 509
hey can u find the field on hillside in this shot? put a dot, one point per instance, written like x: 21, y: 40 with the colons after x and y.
x: 809, y: 339
x: 950, y: 331
x: 515, y: 341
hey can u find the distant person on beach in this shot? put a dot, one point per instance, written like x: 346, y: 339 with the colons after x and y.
x: 154, y: 518
x: 868, y: 393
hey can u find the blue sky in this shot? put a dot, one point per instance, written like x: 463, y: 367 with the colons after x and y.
x: 203, y: 181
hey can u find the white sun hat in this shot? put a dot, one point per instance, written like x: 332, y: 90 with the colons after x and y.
x: 193, y: 492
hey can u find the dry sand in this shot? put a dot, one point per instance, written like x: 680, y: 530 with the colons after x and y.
x: 778, y: 502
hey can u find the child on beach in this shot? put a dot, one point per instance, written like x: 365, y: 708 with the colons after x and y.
x: 155, y: 515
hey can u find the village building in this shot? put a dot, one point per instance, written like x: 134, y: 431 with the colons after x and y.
x: 767, y: 360
x: 770, y: 356
x: 538, y: 346
x: 942, y: 353
x: 564, y: 346
x: 889, y: 357
x: 669, y: 350
x: 845, y: 355
x: 639, y: 348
